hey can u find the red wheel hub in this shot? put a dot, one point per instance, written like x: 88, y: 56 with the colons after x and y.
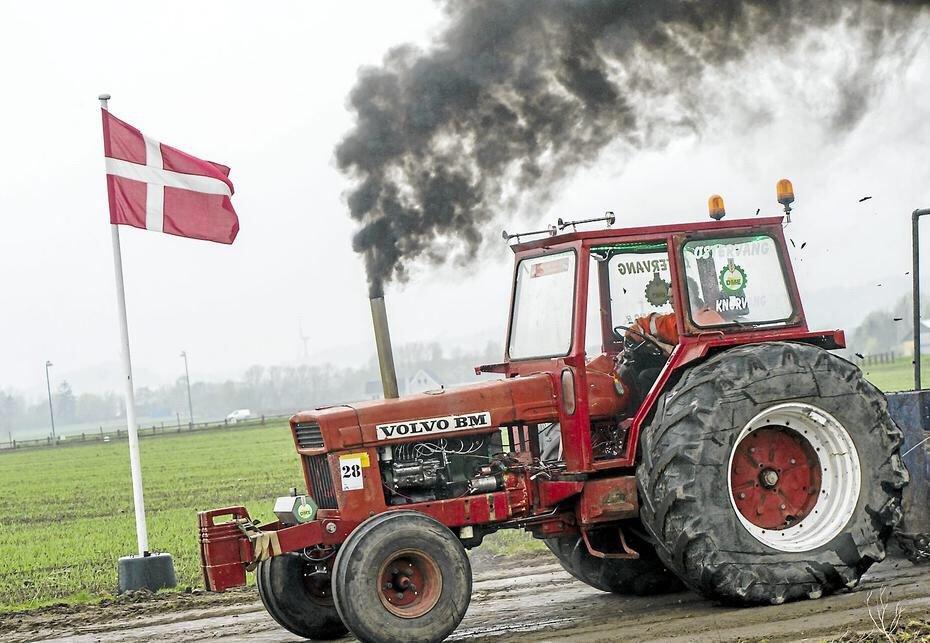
x: 410, y: 583
x: 775, y: 477
x: 318, y: 581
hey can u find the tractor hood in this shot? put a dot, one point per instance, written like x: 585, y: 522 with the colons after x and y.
x: 436, y: 414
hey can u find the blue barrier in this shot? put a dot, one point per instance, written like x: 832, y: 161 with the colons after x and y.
x: 911, y: 412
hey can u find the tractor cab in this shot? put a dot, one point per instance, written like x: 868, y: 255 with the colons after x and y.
x: 580, y: 293
x: 616, y: 312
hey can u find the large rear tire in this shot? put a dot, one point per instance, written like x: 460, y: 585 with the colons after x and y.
x: 770, y: 473
x: 402, y: 576
x: 644, y: 576
x: 299, y: 599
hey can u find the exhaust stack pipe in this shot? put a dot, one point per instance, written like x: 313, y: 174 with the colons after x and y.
x: 385, y: 352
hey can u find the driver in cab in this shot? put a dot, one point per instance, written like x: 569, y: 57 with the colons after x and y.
x: 661, y: 330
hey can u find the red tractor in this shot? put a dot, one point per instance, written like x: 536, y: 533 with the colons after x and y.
x: 742, y: 459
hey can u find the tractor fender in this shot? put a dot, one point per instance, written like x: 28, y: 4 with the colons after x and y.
x: 693, y: 349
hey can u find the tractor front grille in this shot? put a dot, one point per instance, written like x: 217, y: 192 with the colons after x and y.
x: 309, y: 435
x: 321, y: 481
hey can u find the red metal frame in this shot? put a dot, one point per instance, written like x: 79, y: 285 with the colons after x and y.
x: 530, y: 393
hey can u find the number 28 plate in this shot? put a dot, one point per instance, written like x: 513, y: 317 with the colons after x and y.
x: 351, y: 467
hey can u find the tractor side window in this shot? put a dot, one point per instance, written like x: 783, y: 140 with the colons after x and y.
x: 736, y: 280
x: 639, y: 279
x: 593, y: 337
x: 542, y: 307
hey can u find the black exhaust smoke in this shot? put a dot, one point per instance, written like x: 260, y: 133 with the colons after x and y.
x: 516, y: 94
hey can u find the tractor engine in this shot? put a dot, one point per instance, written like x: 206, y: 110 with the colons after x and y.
x: 439, y: 469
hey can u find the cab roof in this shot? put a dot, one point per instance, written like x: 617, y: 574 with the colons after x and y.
x: 658, y: 231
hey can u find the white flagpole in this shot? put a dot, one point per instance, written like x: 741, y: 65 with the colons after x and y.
x: 135, y: 466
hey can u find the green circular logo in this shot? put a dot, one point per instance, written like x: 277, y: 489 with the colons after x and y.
x: 733, y: 278
x: 657, y: 291
x: 304, y: 511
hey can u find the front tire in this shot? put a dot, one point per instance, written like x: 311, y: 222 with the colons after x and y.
x: 297, y: 598
x: 402, y: 576
x: 770, y: 473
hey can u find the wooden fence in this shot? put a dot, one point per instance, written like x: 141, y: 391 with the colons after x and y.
x: 147, y: 430
x: 877, y: 358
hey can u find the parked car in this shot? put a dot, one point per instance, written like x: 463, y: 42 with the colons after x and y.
x: 239, y: 415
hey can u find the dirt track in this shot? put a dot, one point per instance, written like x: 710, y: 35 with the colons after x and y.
x: 527, y: 600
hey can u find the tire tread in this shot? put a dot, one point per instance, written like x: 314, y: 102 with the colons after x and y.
x: 678, y: 453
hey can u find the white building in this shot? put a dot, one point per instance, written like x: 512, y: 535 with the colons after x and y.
x: 419, y: 382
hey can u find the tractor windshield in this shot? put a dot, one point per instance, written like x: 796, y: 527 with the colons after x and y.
x: 736, y: 280
x: 541, y: 324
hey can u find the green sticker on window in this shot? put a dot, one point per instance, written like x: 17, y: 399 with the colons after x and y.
x: 657, y: 291
x: 733, y: 278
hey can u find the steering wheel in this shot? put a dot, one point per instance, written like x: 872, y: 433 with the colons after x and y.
x: 646, y: 339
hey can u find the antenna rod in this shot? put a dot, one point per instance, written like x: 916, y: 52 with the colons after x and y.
x: 609, y: 217
x: 507, y: 236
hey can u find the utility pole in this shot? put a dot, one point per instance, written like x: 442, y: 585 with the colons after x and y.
x: 187, y: 377
x: 303, y: 338
x: 51, y: 413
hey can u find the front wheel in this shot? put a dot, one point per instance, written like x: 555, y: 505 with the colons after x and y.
x: 402, y: 576
x: 769, y: 473
x: 297, y: 594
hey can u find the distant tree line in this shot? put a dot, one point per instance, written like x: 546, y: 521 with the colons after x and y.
x: 284, y: 389
x: 262, y: 389
x: 888, y: 330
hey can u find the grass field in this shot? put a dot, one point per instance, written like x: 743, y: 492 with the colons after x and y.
x: 66, y: 513
x: 898, y: 375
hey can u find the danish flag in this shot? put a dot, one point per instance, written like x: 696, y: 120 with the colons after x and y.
x: 157, y: 187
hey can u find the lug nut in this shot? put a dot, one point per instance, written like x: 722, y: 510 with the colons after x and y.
x: 769, y: 478
x: 742, y: 495
x: 792, y: 461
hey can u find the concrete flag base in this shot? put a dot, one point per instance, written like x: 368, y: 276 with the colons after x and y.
x: 151, y: 572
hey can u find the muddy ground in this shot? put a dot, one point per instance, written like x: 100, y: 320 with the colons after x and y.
x: 513, y: 600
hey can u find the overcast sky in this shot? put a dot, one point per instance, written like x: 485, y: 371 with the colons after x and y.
x: 262, y: 89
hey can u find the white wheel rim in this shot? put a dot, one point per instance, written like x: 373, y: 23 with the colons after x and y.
x: 840, y: 474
